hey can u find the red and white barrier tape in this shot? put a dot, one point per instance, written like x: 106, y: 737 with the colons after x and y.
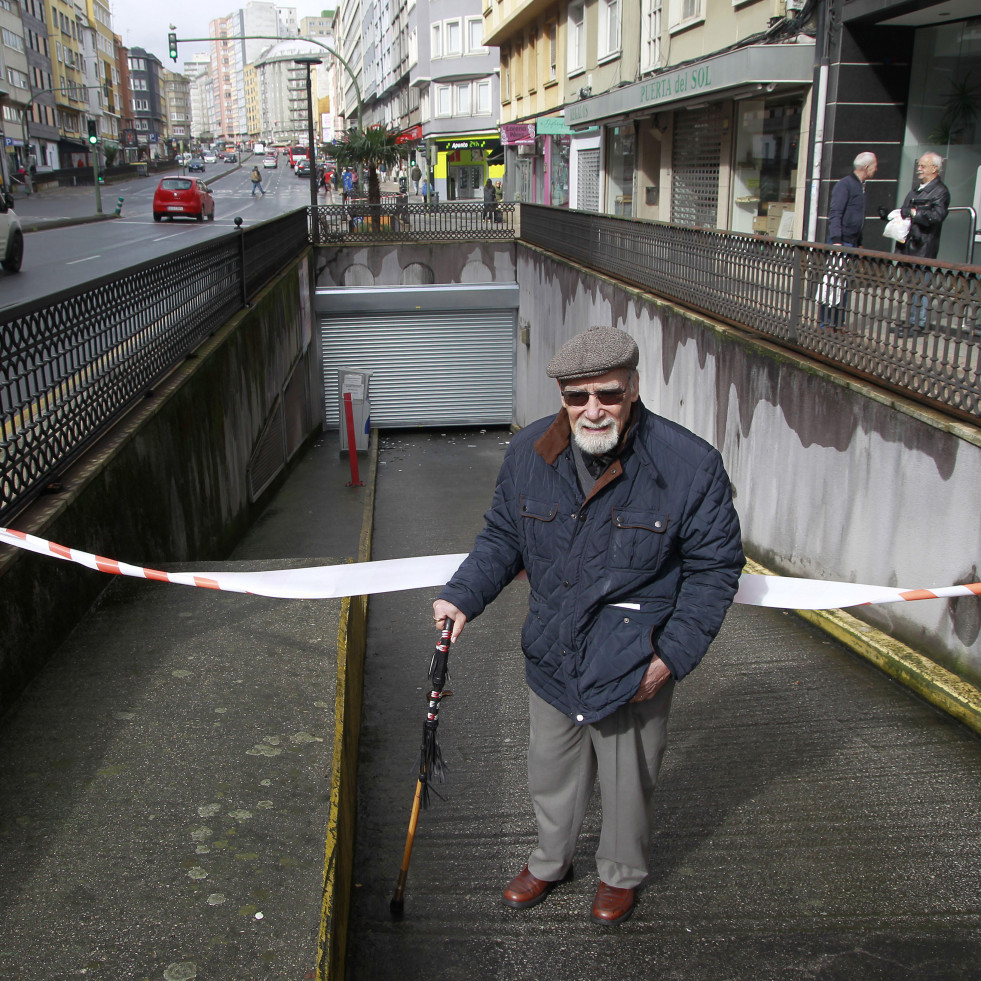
x: 389, y: 575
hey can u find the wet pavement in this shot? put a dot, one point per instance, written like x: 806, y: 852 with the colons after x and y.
x: 164, y: 784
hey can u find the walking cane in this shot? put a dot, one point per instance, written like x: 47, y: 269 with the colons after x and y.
x: 431, y: 766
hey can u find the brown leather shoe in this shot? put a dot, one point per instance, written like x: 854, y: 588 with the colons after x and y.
x: 526, y: 890
x: 612, y: 905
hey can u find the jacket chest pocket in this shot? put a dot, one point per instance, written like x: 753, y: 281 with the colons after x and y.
x: 637, y: 538
x: 537, y: 517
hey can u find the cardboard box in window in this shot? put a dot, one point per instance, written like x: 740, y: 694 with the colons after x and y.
x: 759, y: 225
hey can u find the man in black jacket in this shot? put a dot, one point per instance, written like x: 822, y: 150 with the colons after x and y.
x: 624, y: 524
x: 846, y: 220
x: 926, y: 207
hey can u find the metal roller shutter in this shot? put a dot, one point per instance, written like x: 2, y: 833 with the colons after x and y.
x: 695, y: 162
x: 588, y: 181
x: 431, y: 367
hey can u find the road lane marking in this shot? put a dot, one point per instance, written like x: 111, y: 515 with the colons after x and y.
x: 88, y: 258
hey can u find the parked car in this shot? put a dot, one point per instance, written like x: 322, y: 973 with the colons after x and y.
x: 302, y: 168
x: 231, y: 158
x: 196, y: 164
x: 11, y: 235
x: 187, y: 197
x: 270, y: 160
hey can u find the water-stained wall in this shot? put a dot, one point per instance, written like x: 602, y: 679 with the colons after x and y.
x: 834, y: 479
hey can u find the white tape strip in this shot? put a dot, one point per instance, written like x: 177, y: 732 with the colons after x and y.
x: 390, y: 575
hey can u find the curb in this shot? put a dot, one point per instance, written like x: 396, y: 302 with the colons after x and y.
x: 42, y: 224
x: 342, y: 815
x: 935, y: 684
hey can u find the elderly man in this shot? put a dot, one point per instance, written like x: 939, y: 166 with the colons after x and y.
x: 624, y: 524
x: 926, y: 207
x: 846, y: 221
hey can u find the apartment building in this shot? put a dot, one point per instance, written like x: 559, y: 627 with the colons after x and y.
x: 104, y: 71
x: 689, y: 111
x: 424, y: 68
x: 177, y: 111
x: 149, y: 119
x: 66, y: 24
x: 16, y: 84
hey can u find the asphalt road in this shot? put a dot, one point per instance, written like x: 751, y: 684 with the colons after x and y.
x: 62, y: 256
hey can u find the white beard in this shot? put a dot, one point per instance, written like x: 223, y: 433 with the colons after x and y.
x: 596, y: 443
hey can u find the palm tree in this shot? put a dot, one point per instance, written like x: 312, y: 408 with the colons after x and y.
x: 371, y: 148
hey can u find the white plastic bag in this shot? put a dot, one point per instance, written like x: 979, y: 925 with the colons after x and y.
x: 897, y: 227
x: 831, y: 289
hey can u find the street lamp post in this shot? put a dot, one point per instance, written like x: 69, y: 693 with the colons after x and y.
x: 309, y: 61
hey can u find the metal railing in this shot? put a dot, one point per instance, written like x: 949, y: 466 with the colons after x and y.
x: 392, y: 221
x: 912, y: 325
x: 73, y: 362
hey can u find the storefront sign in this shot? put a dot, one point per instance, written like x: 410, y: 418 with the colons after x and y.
x: 410, y: 135
x: 552, y: 126
x: 517, y: 134
x: 757, y: 64
x: 488, y: 143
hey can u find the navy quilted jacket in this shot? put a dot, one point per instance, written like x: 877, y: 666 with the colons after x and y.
x: 658, y: 532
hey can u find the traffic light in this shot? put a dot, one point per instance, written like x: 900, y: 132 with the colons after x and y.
x: 172, y: 44
x: 93, y: 132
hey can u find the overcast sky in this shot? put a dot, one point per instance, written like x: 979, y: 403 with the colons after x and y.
x: 146, y: 25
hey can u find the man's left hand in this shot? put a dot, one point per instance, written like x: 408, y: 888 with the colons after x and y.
x: 655, y: 678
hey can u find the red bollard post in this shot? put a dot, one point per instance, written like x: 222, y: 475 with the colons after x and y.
x: 352, y: 450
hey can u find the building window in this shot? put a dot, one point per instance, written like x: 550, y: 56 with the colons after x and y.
x: 609, y: 27
x: 436, y: 43
x: 505, y: 75
x: 475, y: 35
x: 463, y: 99
x: 454, y: 39
x: 576, y: 37
x: 12, y: 40
x: 482, y: 91
x: 650, y: 53
x: 552, y: 31
x: 444, y: 104
x: 685, y: 13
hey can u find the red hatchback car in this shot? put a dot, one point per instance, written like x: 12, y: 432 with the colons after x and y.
x: 183, y: 196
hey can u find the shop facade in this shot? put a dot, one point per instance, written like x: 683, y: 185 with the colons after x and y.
x: 537, y: 156
x: 459, y: 165
x: 715, y: 144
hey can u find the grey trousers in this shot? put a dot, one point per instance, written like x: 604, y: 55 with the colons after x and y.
x: 625, y: 751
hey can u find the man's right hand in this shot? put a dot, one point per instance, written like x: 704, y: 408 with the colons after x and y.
x: 442, y: 610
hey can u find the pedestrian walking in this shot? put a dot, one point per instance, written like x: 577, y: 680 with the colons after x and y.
x: 416, y: 175
x: 257, y: 182
x: 624, y: 524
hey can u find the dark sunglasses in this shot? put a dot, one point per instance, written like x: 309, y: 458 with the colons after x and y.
x: 612, y: 396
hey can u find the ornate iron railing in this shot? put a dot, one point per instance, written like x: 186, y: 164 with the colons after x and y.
x: 357, y: 221
x: 913, y: 325
x: 71, y: 363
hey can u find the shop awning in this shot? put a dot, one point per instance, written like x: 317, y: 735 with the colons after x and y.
x: 707, y: 80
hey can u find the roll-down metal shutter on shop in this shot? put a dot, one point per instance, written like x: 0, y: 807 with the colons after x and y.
x: 588, y: 180
x: 430, y: 365
x: 695, y: 165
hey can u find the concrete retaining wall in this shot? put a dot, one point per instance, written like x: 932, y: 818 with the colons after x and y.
x: 168, y: 483
x: 834, y: 479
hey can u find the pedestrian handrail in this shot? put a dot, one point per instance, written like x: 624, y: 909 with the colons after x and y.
x: 857, y: 309
x: 399, y: 221
x: 73, y: 362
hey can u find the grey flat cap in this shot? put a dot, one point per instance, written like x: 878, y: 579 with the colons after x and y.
x: 594, y: 352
